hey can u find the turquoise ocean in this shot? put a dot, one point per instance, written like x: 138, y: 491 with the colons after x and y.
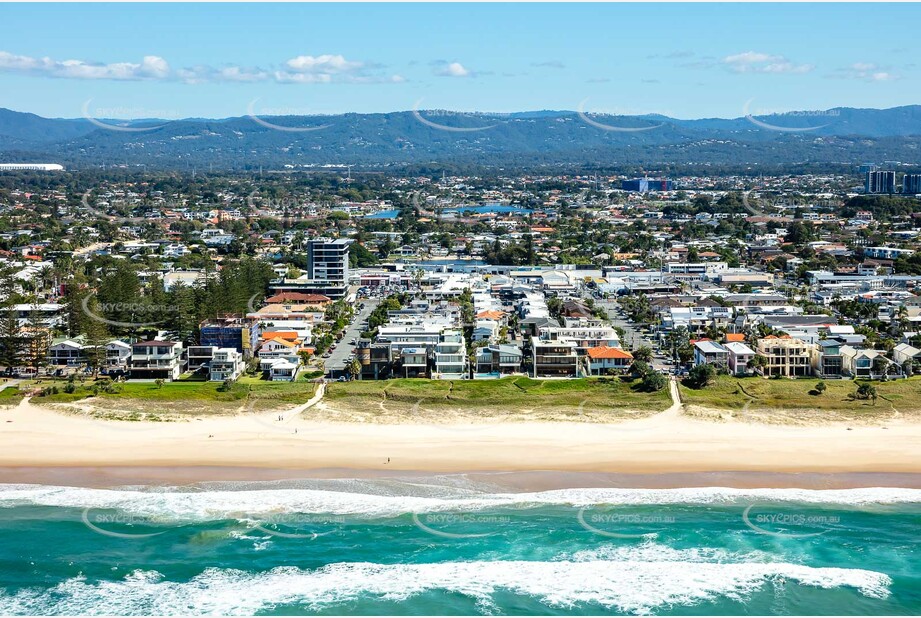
x: 452, y: 545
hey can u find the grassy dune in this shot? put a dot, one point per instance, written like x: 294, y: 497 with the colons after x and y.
x: 790, y: 397
x: 187, y: 396
x: 512, y: 395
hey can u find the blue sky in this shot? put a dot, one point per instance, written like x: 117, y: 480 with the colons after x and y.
x: 683, y: 60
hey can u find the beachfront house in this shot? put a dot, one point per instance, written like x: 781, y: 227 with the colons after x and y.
x: 710, y: 353
x: 226, y: 364
x: 450, y: 356
x: 66, y: 353
x: 414, y: 362
x: 827, y: 359
x: 605, y: 359
x: 554, y: 359
x: 869, y: 364
x: 152, y: 360
x: 739, y: 355
x: 493, y: 361
x: 118, y: 354
x: 280, y: 369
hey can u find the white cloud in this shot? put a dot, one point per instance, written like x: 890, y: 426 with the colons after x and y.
x: 150, y: 67
x: 866, y: 71
x: 883, y: 76
x: 454, y: 69
x: 325, y: 64
x: 759, y: 62
x: 325, y: 68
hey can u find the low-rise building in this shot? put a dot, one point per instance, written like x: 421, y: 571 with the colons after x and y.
x: 414, y: 362
x: 152, y: 360
x: 450, y: 356
x: 710, y: 353
x: 226, y: 364
x: 739, y: 356
x: 554, y: 359
x: 605, y: 359
x: 827, y: 359
x: 498, y: 360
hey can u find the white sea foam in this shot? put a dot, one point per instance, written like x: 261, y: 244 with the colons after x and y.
x: 392, y: 499
x: 634, y: 580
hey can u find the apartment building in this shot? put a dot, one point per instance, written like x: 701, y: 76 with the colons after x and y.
x: 328, y: 259
x: 786, y: 356
x: 231, y: 331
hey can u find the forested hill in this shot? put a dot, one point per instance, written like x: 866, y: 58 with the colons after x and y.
x: 527, y: 139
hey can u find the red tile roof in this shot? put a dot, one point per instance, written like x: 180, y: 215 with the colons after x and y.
x: 608, y: 352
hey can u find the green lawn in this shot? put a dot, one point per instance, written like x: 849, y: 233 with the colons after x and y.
x: 512, y: 393
x: 733, y: 393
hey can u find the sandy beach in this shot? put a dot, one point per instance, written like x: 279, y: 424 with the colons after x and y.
x: 33, y: 436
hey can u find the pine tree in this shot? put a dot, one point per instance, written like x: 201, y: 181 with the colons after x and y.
x: 11, y: 339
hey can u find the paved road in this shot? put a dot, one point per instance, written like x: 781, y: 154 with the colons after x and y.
x: 633, y: 337
x: 340, y: 356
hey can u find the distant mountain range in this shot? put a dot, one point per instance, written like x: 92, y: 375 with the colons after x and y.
x: 843, y: 136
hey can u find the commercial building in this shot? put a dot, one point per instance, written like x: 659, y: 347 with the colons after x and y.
x: 880, y: 182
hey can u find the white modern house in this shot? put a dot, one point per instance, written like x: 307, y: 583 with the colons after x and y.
x: 280, y: 369
x: 450, y: 356
x: 226, y: 364
x: 152, y: 360
x: 739, y: 357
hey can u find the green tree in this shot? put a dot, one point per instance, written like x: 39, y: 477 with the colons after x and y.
x: 643, y: 354
x: 354, y: 369
x: 866, y: 391
x: 11, y: 339
x: 701, y: 375
x: 653, y: 381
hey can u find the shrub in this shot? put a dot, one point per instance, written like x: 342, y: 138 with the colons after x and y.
x: 700, y: 376
x: 653, y: 382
